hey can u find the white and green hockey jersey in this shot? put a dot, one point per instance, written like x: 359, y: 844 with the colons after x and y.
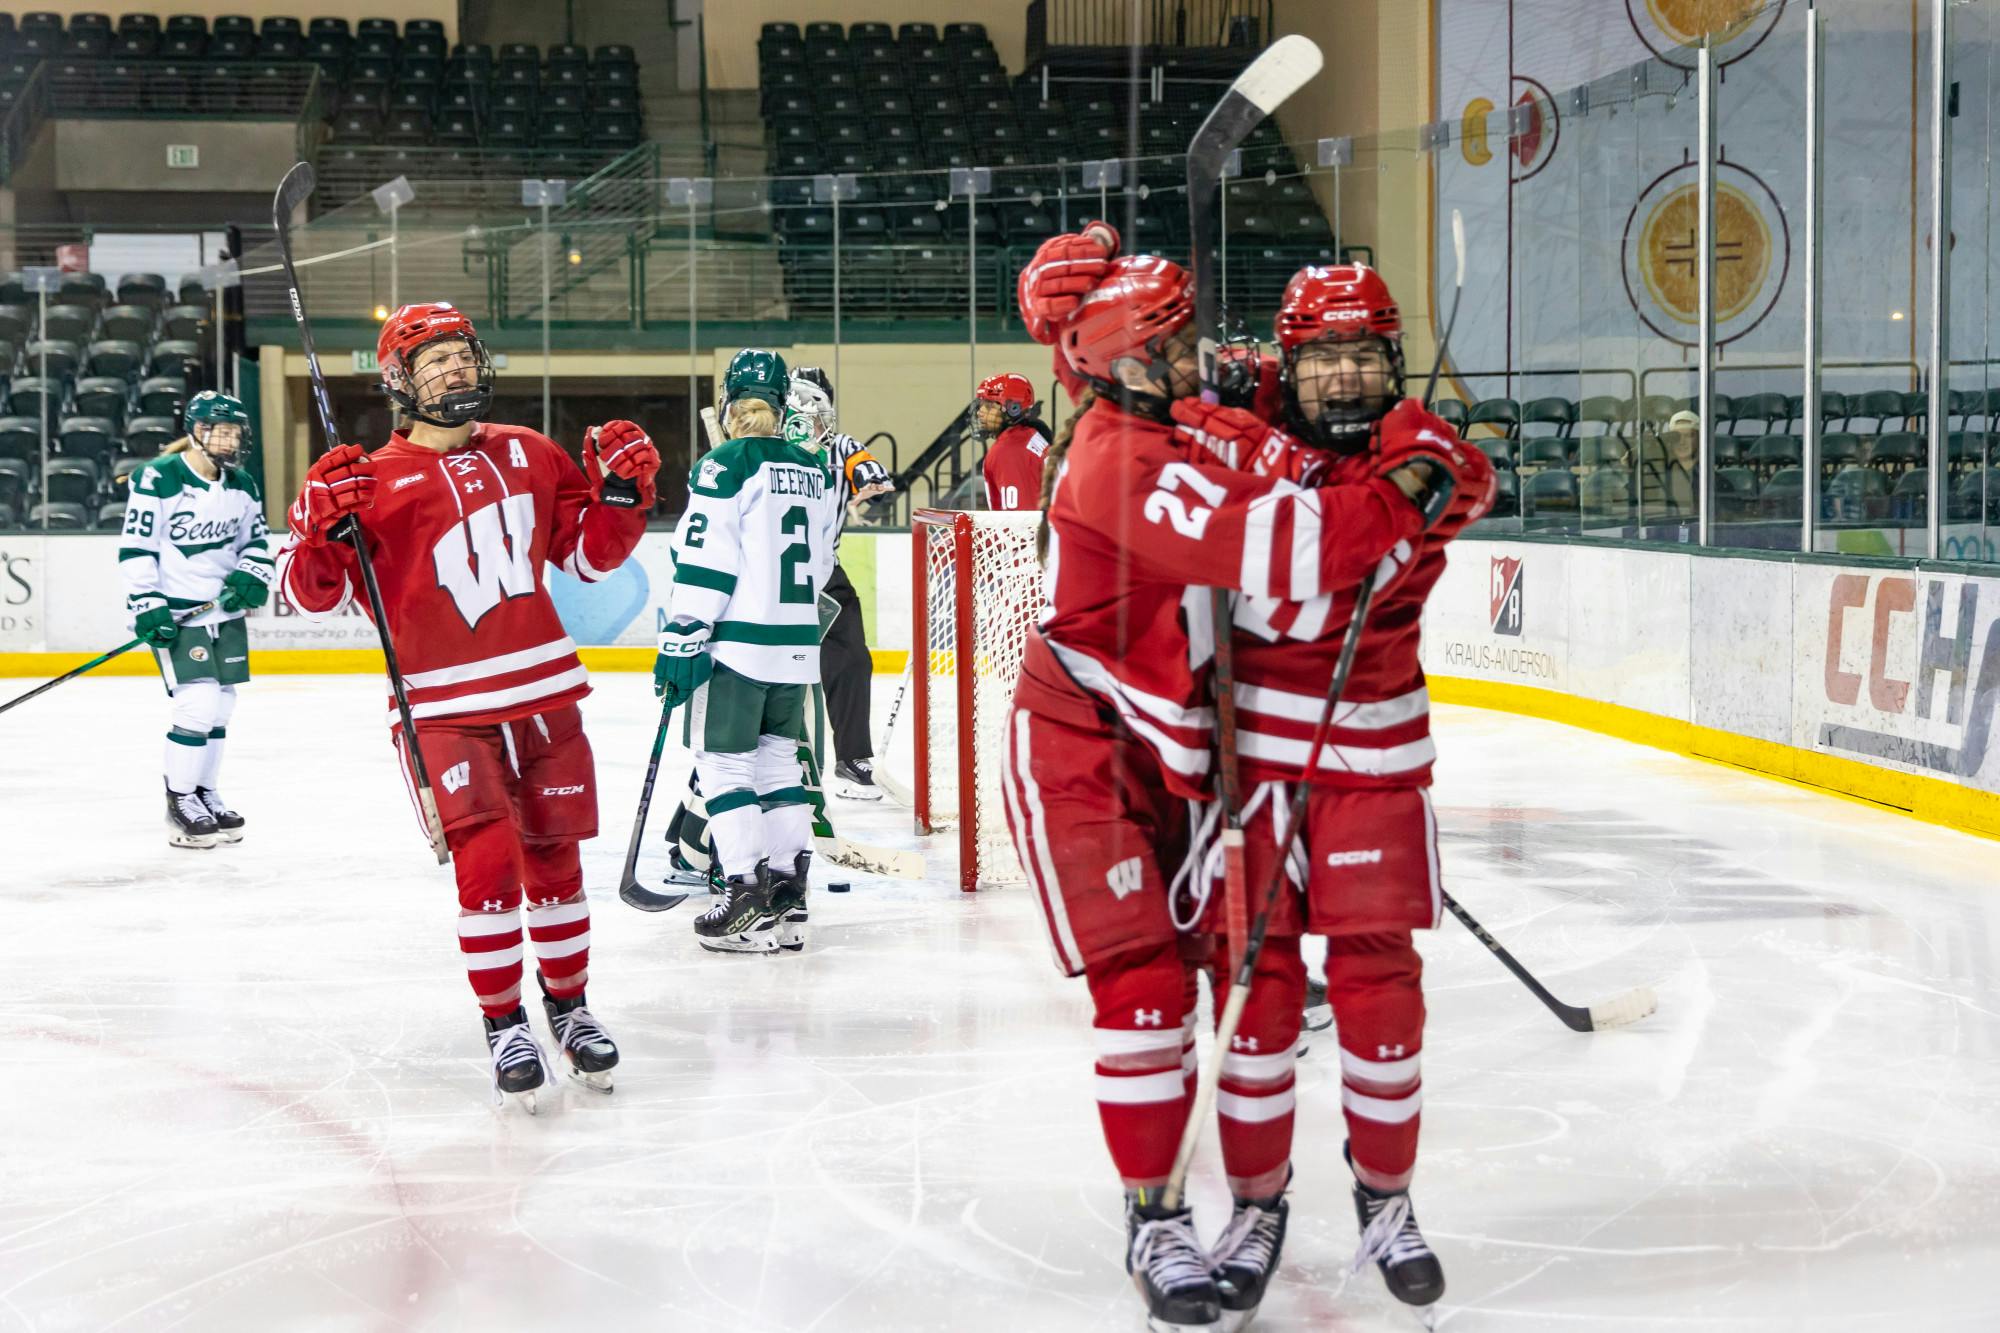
x: 752, y: 552
x: 183, y: 535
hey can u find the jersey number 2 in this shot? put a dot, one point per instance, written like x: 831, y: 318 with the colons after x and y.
x: 793, y: 585
x: 1167, y: 505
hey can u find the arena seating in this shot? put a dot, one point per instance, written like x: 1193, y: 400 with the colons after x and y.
x: 899, y: 108
x: 382, y: 82
x: 109, y: 369
x: 1608, y: 463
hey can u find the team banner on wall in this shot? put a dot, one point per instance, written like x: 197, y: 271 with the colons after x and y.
x: 1572, y: 153
x: 23, y: 576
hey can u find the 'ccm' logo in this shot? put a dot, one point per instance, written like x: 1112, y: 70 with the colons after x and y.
x: 577, y: 790
x: 456, y: 776
x: 1371, y: 857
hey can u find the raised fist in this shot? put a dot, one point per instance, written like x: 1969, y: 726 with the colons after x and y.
x: 1061, y: 274
x: 342, y: 481
x: 624, y: 452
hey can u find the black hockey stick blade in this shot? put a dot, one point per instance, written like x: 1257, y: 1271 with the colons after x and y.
x: 297, y: 187
x: 634, y: 894
x: 1618, y: 1011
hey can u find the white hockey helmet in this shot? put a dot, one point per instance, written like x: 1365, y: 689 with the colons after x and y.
x: 809, y: 415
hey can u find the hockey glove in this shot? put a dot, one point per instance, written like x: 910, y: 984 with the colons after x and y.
x: 245, y: 589
x: 156, y: 625
x: 342, y: 481
x: 1448, y: 481
x: 624, y: 452
x: 1061, y: 274
x: 683, y: 664
x: 1236, y: 437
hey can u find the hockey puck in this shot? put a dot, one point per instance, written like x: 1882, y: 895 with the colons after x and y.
x: 838, y: 886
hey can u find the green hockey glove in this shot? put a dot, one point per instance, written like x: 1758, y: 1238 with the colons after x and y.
x: 683, y: 664
x: 156, y: 625
x: 243, y: 591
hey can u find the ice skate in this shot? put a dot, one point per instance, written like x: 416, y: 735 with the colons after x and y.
x: 854, y: 780
x: 1391, y: 1241
x: 588, y: 1053
x: 228, y: 824
x: 790, y: 900
x: 1170, y: 1269
x: 519, y: 1068
x: 742, y: 918
x: 1245, y: 1258
x: 681, y: 871
x: 189, y: 824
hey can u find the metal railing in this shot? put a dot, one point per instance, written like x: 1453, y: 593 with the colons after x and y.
x: 1161, y: 23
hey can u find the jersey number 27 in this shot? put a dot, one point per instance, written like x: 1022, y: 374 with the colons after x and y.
x: 1167, y: 505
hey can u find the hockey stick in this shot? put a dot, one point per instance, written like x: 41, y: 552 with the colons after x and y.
x: 99, y: 660
x: 1451, y: 321
x: 630, y: 891
x: 293, y: 191
x: 897, y: 792
x: 1617, y: 1011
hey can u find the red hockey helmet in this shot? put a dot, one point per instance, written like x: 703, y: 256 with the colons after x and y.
x: 1335, y: 399
x: 1011, y: 394
x: 1142, y: 301
x: 428, y: 393
x: 1337, y: 300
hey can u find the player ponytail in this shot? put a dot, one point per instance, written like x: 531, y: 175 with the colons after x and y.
x: 751, y: 416
x: 1053, y: 464
x: 180, y: 446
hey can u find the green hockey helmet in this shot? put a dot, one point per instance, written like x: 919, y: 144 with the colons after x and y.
x: 755, y: 373
x: 209, y: 409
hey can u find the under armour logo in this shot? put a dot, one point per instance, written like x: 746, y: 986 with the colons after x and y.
x: 474, y: 485
x: 1389, y: 1052
x: 492, y: 905
x: 1149, y: 1018
x: 1126, y: 878
x: 549, y: 901
x: 457, y: 776
x: 1242, y: 1043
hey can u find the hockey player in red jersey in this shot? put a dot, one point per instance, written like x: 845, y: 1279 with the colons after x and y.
x: 1003, y: 414
x: 1370, y: 856
x: 1111, y: 730
x: 460, y: 516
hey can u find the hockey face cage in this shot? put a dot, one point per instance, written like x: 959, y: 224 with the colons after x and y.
x: 809, y: 415
x: 1012, y: 397
x: 976, y: 588
x: 1336, y: 393
x: 425, y: 375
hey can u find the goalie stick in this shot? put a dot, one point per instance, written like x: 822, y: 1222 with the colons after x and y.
x: 293, y: 191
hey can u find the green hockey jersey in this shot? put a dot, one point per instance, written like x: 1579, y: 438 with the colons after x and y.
x: 183, y: 535
x: 752, y: 552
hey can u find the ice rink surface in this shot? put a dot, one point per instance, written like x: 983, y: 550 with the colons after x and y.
x: 247, y: 1088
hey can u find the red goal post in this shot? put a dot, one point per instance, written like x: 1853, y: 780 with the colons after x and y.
x: 976, y: 588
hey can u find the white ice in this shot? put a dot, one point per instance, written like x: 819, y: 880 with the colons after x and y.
x: 246, y: 1087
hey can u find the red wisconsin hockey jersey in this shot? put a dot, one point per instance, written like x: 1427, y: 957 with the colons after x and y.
x: 458, y: 542
x: 1013, y: 468
x: 1286, y: 649
x: 1138, y: 535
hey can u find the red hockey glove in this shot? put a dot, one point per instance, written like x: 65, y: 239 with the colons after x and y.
x: 342, y: 481
x: 1236, y: 437
x: 1062, y: 272
x: 626, y: 453
x: 1450, y: 482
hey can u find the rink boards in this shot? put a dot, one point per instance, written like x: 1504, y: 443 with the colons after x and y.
x: 1877, y: 680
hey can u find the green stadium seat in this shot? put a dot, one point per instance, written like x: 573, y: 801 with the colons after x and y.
x: 114, y: 358
x: 1839, y: 449
x: 128, y: 323
x: 174, y: 356
x: 146, y: 436
x: 69, y: 323
x: 1502, y: 412
x: 1898, y: 451
x: 21, y: 438
x: 1770, y: 453
x: 89, y: 437
x: 102, y: 396
x: 60, y: 357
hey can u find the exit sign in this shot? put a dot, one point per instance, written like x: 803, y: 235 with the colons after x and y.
x: 184, y: 155
x: 365, y: 364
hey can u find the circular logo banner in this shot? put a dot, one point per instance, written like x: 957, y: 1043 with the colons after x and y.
x: 1670, y: 27
x: 1661, y: 245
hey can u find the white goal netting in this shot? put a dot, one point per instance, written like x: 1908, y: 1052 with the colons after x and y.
x: 977, y: 590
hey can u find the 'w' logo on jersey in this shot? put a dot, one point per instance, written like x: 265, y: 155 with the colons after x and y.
x: 1126, y: 878
x: 489, y: 557
x: 456, y: 776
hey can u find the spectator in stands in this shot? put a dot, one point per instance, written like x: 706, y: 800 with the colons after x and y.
x: 1678, y: 461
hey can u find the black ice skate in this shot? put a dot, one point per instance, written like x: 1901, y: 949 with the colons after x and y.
x: 743, y: 918
x: 854, y: 780
x: 1318, y: 1014
x: 790, y: 900
x: 519, y: 1069
x: 227, y: 822
x: 588, y: 1053
x: 1246, y: 1257
x: 1390, y: 1240
x: 189, y: 824
x: 1170, y: 1268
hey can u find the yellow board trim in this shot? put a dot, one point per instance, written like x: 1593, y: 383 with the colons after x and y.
x: 340, y: 661
x: 1932, y: 800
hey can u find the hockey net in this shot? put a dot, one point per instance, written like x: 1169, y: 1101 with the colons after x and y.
x: 976, y: 590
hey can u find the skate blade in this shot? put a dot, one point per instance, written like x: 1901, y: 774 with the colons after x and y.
x: 1159, y: 1325
x: 740, y: 945
x: 528, y: 1101
x: 1319, y: 1018
x: 1235, y: 1321
x: 858, y: 793
x: 194, y: 840
x: 599, y: 1082
x: 230, y: 838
